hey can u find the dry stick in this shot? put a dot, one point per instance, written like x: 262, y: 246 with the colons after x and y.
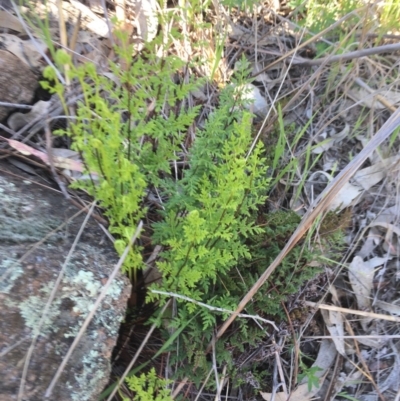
x: 221, y: 384
x: 214, y: 308
x: 203, y: 385
x: 215, y: 369
x: 371, y: 315
x: 382, y: 337
x: 349, y: 56
x: 319, y: 206
x: 36, y: 332
x: 180, y: 387
x: 334, y: 377
x: 132, y: 362
x: 62, y: 29
x: 307, y: 42
x: 49, y: 150
x: 93, y: 311
x: 108, y: 22
x: 75, y: 33
x: 365, y: 369
x: 295, y: 346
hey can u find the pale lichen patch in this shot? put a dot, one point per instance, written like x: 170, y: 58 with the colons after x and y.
x: 87, y: 378
x: 18, y: 222
x: 10, y: 271
x: 81, y: 289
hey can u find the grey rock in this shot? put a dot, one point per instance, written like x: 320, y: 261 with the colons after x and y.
x: 28, y: 271
x: 17, y: 82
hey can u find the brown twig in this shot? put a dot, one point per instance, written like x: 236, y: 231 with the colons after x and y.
x: 365, y: 370
x: 335, y: 373
x: 296, y: 347
x: 307, y: 42
x: 49, y: 151
x: 349, y: 56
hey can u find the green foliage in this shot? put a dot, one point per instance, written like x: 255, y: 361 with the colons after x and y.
x: 309, y: 373
x: 240, y: 4
x: 319, y: 15
x: 273, y: 231
x: 127, y: 130
x: 292, y: 273
x: 148, y: 387
x: 347, y: 396
x: 210, y: 210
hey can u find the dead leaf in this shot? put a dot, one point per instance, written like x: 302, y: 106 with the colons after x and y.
x: 370, y: 176
x: 9, y: 21
x: 18, y: 120
x: 61, y: 162
x: 369, y: 99
x: 347, y: 196
x: 258, y: 104
x: 28, y: 51
x: 391, y: 308
x: 147, y: 19
x: 391, y: 243
x: 361, y: 277
x: 334, y: 323
x: 263, y: 77
x: 92, y: 22
x: 199, y: 94
x: 327, y: 141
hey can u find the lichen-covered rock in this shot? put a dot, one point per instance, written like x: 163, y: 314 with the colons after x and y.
x: 28, y: 272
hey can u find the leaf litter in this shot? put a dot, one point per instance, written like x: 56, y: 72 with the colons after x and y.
x: 370, y: 273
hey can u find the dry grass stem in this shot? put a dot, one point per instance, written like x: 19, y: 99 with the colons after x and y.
x: 371, y: 315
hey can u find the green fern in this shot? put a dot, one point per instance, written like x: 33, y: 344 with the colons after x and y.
x: 148, y: 387
x: 126, y: 141
x: 128, y: 132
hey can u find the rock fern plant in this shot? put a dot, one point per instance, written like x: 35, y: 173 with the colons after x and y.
x: 129, y: 131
